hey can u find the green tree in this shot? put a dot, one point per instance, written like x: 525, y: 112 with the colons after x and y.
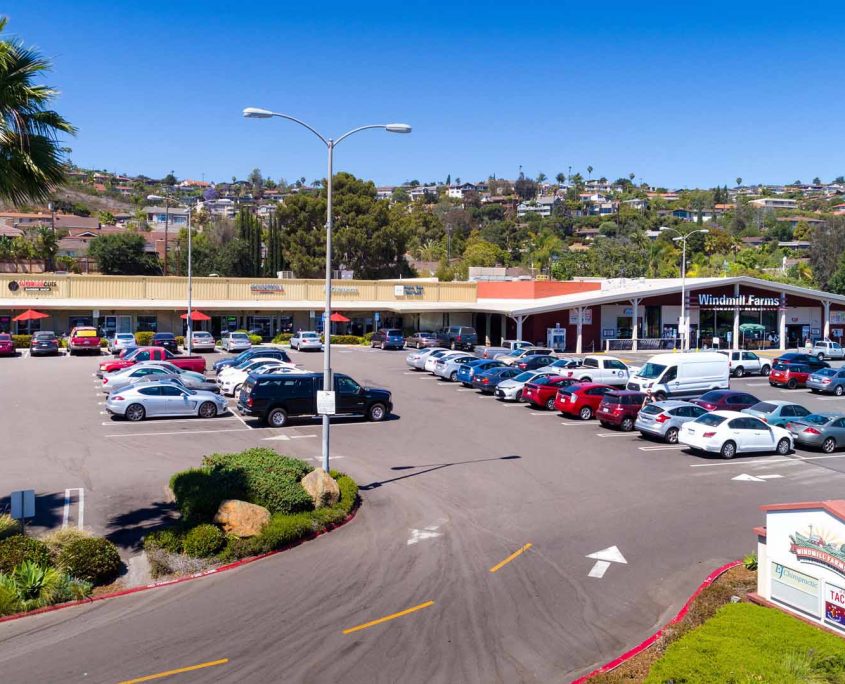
x: 560, y: 178
x: 106, y: 218
x: 46, y: 242
x: 169, y: 179
x: 123, y: 254
x: 589, y: 172
x: 802, y: 231
x: 249, y: 232
x: 31, y: 156
x: 479, y: 252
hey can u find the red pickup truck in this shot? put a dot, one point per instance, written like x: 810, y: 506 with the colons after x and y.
x: 191, y: 363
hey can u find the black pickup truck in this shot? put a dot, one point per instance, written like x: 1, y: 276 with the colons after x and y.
x: 276, y: 398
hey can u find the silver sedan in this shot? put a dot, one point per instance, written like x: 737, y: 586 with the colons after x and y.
x: 416, y: 359
x: 164, y: 399
x: 664, y: 419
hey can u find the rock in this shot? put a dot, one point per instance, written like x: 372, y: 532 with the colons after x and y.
x: 321, y: 487
x: 241, y: 518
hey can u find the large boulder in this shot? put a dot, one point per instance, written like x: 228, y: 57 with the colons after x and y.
x: 241, y: 518
x: 321, y: 487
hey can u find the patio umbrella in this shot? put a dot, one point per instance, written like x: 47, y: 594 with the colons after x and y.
x: 196, y: 316
x: 338, y: 318
x: 30, y: 315
x: 749, y: 328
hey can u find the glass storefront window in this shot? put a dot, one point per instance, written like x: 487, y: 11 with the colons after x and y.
x: 147, y: 324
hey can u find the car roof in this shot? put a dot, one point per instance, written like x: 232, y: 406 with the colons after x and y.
x: 731, y: 414
x: 671, y: 403
x: 777, y: 402
x: 625, y: 393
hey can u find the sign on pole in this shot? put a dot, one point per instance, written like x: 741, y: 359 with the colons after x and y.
x: 325, y: 403
x: 23, y: 504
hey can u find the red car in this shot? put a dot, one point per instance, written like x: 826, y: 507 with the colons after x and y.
x: 790, y: 375
x: 620, y: 409
x: 7, y: 347
x: 542, y: 391
x: 581, y: 399
x: 83, y: 338
x: 191, y: 363
x: 725, y: 400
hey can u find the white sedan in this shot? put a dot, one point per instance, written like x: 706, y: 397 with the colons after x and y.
x: 432, y: 359
x: 230, y: 383
x: 416, y: 359
x: 306, y: 340
x: 730, y: 433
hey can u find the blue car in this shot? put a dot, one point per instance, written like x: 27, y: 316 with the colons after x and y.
x: 468, y: 371
x: 255, y: 352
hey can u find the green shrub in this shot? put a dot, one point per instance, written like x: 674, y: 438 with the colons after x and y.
x: 104, y: 343
x: 59, y: 539
x: 256, y: 339
x: 282, y: 530
x: 750, y: 561
x: 282, y: 338
x: 92, y: 559
x: 170, y: 540
x: 347, y: 339
x: 18, y: 549
x: 199, y: 492
x: 8, y: 526
x: 180, y: 340
x: 9, y: 603
x: 144, y: 339
x: 31, y: 586
x: 21, y: 341
x: 368, y: 337
x: 204, y: 541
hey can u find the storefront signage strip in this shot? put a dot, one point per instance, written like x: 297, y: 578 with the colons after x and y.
x: 267, y: 288
x: 743, y: 301
x: 32, y: 285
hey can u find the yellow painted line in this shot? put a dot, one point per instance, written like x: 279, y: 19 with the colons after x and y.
x: 190, y: 668
x: 386, y: 618
x: 507, y: 560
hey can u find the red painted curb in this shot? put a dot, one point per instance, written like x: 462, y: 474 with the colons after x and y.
x: 179, y: 580
x: 639, y: 648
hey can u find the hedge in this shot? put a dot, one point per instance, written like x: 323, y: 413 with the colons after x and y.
x: 203, y: 541
x: 18, y: 548
x: 93, y: 559
x: 282, y: 338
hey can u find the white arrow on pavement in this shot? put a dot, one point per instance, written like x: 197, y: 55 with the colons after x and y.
x: 603, y: 559
x: 769, y: 477
x: 747, y: 478
x: 429, y: 532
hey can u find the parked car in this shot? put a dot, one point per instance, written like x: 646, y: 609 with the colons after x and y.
x: 161, y: 399
x: 254, y: 352
x: 166, y: 340
x: 83, y: 338
x: 730, y: 433
x: 7, y: 347
x: 388, y: 338
x: 606, y: 370
x: 187, y: 379
x: 447, y: 367
x: 506, y: 347
x: 457, y: 337
x: 789, y: 375
x: 581, y: 399
x: 235, y: 341
x: 139, y: 354
x: 276, y: 398
x: 534, y: 362
x: 487, y: 381
x: 416, y: 359
x: 806, y: 359
x: 434, y: 357
x: 561, y: 365
x: 542, y: 391
x: 825, y: 349
x: 306, y: 339
x: 511, y: 388
x: 776, y: 412
x: 421, y: 340
x: 746, y: 362
x: 247, y: 365
x: 826, y: 380
x: 230, y: 383
x: 515, y: 356
x: 127, y: 376
x: 620, y: 409
x: 202, y: 340
x: 120, y: 342
x: 44, y: 342
x: 468, y: 370
x: 725, y: 400
x: 825, y: 431
x: 664, y: 419
x: 681, y: 375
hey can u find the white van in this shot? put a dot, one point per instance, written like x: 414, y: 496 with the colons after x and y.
x: 682, y: 375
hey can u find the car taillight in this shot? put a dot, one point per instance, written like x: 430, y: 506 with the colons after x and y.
x: 458, y: 338
x: 105, y: 380
x: 662, y: 418
x: 249, y: 401
x: 572, y: 398
x: 826, y: 381
x: 485, y: 381
x: 118, y: 398
x: 523, y: 366
x: 811, y: 431
x: 709, y: 434
x: 618, y: 409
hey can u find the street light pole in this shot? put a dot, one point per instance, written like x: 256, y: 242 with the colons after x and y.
x: 682, y: 238
x: 190, y: 330
x: 330, y: 143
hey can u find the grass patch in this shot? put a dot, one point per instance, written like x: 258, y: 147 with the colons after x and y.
x: 744, y: 642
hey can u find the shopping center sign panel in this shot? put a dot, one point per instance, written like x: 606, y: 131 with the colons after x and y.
x: 746, y: 302
x: 801, y: 560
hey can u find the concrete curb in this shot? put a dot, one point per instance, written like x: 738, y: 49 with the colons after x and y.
x: 639, y: 648
x: 179, y: 580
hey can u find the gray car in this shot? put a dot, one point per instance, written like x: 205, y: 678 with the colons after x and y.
x: 416, y: 359
x: 164, y: 399
x: 511, y: 389
x: 827, y: 380
x: 129, y: 376
x: 663, y: 419
x: 121, y: 342
x: 561, y: 364
x: 825, y: 431
x: 447, y: 368
x: 186, y: 380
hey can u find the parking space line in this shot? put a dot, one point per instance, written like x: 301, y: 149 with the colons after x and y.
x: 585, y: 423
x: 240, y: 418
x: 793, y: 459
x: 668, y: 447
x: 507, y: 560
x: 612, y: 434
x: 465, y: 389
x: 178, y: 432
x: 165, y: 421
x: 547, y: 413
x: 387, y: 618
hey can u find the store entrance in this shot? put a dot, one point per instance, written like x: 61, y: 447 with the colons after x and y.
x: 795, y: 335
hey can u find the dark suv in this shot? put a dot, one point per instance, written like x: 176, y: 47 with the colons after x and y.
x: 457, y: 337
x: 166, y: 340
x: 620, y: 408
x: 276, y: 398
x: 388, y: 338
x: 809, y: 360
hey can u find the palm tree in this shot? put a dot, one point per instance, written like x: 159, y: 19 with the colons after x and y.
x: 739, y: 181
x: 560, y: 178
x: 31, y: 157
x: 589, y: 172
x: 47, y: 247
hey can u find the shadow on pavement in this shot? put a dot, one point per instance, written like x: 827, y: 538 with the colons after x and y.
x: 127, y: 530
x: 49, y: 509
x: 429, y: 467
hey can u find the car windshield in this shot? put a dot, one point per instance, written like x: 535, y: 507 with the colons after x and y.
x: 164, y: 336
x: 423, y: 335
x: 394, y: 333
x: 816, y: 419
x: 524, y: 377
x: 764, y: 407
x: 826, y: 372
x: 44, y: 335
x: 240, y: 336
x: 540, y: 381
x: 652, y: 410
x: 651, y: 371
x: 86, y: 333
x: 125, y: 336
x: 201, y: 333
x: 780, y: 366
x: 710, y: 420
x: 309, y: 336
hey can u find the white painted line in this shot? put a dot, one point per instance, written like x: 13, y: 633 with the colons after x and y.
x: 80, y: 518
x: 178, y: 432
x: 745, y: 477
x: 769, y: 477
x: 547, y: 413
x: 277, y: 438
x: 605, y: 434
x: 758, y: 384
x: 585, y: 423
x: 830, y: 398
x: 668, y: 447
x: 768, y: 461
x: 163, y: 421
x: 465, y: 389
x: 301, y: 436
x: 25, y: 354
x: 510, y: 404
x: 66, y: 512
x: 410, y: 373
x: 598, y: 569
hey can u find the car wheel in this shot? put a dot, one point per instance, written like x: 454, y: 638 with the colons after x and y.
x: 585, y: 413
x: 739, y: 372
x: 586, y: 379
x: 838, y: 391
x: 672, y: 435
x: 208, y: 410
x: 518, y: 396
x: 829, y: 445
x: 627, y: 424
x: 376, y: 413
x: 237, y: 390
x: 454, y: 376
x: 820, y: 356
x: 783, y: 447
x: 728, y: 450
x: 135, y: 412
x: 550, y: 404
x: 814, y: 390
x: 792, y: 384
x: 765, y: 370
x: 277, y: 418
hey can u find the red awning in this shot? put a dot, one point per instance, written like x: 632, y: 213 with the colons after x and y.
x: 30, y: 315
x: 338, y: 318
x: 196, y: 316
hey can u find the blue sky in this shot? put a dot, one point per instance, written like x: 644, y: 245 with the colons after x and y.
x: 681, y: 94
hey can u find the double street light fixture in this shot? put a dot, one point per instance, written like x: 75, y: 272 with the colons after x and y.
x: 682, y: 238
x: 330, y: 143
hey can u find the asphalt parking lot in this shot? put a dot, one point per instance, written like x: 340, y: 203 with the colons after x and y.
x: 454, y: 484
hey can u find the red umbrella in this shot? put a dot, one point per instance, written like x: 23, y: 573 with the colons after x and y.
x: 196, y: 316
x: 338, y: 318
x: 30, y: 315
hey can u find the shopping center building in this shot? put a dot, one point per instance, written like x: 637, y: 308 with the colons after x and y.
x: 584, y: 315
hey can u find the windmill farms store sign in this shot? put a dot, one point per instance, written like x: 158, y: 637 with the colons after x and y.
x: 32, y: 285
x: 748, y: 302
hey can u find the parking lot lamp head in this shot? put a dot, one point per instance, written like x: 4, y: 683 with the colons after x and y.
x: 397, y: 128
x: 257, y: 113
